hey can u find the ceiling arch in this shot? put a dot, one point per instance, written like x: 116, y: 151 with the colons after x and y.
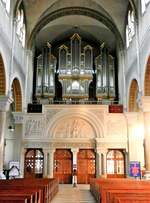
x: 75, y: 11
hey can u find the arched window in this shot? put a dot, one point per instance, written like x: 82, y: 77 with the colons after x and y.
x: 20, y: 25
x: 130, y: 26
x: 7, y: 4
x: 144, y: 3
x: 34, y: 163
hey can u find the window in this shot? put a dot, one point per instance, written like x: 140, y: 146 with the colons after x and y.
x: 20, y: 25
x: 144, y: 3
x: 7, y: 4
x: 130, y: 27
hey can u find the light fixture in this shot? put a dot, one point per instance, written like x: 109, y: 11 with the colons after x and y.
x: 11, y: 128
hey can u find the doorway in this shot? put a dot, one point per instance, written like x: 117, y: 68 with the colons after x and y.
x: 115, y: 164
x: 63, y: 166
x: 85, y: 166
x: 34, y: 163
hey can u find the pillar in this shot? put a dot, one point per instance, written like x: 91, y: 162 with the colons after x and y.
x: 74, y: 169
x: 4, y: 107
x: 46, y: 155
x: 75, y: 153
x: 147, y: 140
x: 22, y: 158
x: 50, y: 163
x: 104, y: 162
x: 98, y: 163
x: 2, y: 129
x: 146, y: 113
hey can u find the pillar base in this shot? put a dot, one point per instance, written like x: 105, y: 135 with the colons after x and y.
x: 147, y: 175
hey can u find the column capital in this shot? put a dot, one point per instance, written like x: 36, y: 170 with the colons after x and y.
x: 5, y: 102
x: 101, y: 151
x: 18, y: 117
x: 74, y: 150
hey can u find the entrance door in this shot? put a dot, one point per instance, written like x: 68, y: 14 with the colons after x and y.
x: 34, y: 163
x: 115, y: 164
x: 85, y: 166
x: 63, y: 165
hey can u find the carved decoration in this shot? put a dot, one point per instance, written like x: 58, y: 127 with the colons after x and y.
x: 73, y: 128
x: 34, y: 127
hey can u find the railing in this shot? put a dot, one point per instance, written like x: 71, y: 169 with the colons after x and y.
x: 101, y: 102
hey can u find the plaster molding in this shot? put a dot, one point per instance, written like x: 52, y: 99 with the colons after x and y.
x: 5, y: 102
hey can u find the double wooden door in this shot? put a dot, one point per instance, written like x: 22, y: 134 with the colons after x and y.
x: 85, y: 166
x: 63, y: 165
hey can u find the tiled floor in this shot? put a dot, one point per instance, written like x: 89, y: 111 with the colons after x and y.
x: 70, y: 194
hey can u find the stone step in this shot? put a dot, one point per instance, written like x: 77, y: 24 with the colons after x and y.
x: 70, y: 194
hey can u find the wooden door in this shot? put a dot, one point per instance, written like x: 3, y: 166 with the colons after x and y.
x: 63, y: 166
x: 34, y: 163
x: 85, y: 166
x: 115, y: 164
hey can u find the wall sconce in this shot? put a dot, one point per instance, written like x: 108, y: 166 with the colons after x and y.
x: 11, y: 128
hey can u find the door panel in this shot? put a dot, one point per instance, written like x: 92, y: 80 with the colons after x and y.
x: 85, y: 166
x: 115, y: 164
x: 63, y: 166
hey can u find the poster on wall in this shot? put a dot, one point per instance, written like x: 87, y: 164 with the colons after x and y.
x: 135, y: 169
x: 14, y: 167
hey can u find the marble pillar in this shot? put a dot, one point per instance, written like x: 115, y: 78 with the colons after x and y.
x: 5, y: 102
x: 98, y: 163
x: 51, y: 163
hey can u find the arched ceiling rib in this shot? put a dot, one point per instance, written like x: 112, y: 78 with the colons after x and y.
x: 56, y: 17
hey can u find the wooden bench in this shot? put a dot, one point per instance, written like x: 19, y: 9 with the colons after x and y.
x: 43, y: 190
x: 103, y: 189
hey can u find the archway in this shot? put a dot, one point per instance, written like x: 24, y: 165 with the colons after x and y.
x: 147, y: 79
x: 34, y: 163
x: 17, y: 95
x: 115, y: 164
x: 133, y: 93
x: 2, y: 77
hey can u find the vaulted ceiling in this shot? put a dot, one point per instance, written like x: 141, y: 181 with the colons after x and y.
x: 102, y: 20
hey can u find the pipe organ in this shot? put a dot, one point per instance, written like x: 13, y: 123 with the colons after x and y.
x: 76, y: 67
x: 45, y: 73
x: 105, y: 74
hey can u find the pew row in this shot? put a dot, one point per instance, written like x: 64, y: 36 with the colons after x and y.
x: 107, y: 190
x: 41, y: 190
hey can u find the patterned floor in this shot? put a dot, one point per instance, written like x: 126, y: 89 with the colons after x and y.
x: 70, y: 194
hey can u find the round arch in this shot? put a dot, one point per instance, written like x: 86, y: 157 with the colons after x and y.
x: 133, y: 93
x: 147, y: 79
x: 17, y: 95
x: 88, y: 117
x: 75, y: 11
x: 2, y: 77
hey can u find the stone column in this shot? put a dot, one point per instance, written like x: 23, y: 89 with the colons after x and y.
x: 45, y: 151
x: 147, y: 140
x: 75, y: 153
x: 22, y: 158
x: 74, y: 169
x: 104, y: 161
x: 146, y: 111
x: 4, y: 107
x: 51, y: 163
x: 2, y: 129
x: 98, y: 163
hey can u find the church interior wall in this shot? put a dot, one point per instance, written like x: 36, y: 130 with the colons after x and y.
x: 108, y: 131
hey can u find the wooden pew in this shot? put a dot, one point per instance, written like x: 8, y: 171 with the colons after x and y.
x: 101, y: 187
x: 45, y: 188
